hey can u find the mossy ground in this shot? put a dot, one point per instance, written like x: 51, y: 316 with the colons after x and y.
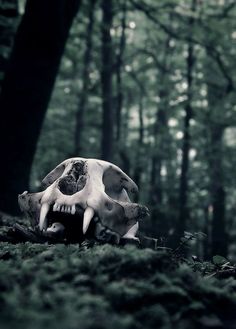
x: 59, y: 286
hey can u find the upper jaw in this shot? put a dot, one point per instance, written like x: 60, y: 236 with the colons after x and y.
x: 74, y: 224
x: 79, y: 219
x: 71, y: 210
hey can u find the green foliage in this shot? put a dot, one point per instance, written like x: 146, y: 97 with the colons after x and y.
x: 105, y: 286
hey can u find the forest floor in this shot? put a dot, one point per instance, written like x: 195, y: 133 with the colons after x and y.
x: 69, y: 286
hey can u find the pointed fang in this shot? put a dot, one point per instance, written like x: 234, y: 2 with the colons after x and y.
x: 88, y: 215
x: 43, y: 217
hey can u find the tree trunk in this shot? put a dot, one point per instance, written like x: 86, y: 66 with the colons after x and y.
x: 33, y: 65
x: 206, y: 230
x: 219, y: 238
x: 161, y: 147
x: 106, y: 80
x: 156, y: 184
x: 8, y: 20
x: 119, y: 64
x: 138, y: 165
x: 183, y: 189
x: 85, y: 79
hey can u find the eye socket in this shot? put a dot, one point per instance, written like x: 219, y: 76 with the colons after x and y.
x: 67, y: 185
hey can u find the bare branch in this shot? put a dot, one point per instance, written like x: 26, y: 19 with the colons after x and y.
x: 212, y: 51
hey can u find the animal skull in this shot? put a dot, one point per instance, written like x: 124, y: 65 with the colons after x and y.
x: 89, y: 195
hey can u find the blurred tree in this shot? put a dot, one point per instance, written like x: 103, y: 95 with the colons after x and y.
x: 106, y: 81
x: 119, y: 69
x: 26, y: 91
x: 183, y: 192
x: 161, y: 139
x: 83, y: 97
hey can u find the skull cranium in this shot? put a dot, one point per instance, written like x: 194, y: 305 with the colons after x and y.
x: 85, y: 193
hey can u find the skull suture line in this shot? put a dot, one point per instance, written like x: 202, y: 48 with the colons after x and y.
x: 82, y: 197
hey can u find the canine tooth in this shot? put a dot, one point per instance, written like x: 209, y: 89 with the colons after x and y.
x: 73, y: 210
x: 55, y: 207
x: 43, y: 216
x: 62, y: 208
x: 58, y: 207
x: 88, y: 215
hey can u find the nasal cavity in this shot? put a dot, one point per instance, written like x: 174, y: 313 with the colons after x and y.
x: 78, y: 169
x: 67, y: 185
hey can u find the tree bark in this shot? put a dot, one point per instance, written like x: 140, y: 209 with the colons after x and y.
x: 85, y: 78
x: 106, y: 81
x: 33, y: 65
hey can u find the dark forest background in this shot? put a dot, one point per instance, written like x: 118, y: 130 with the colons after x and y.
x: 149, y: 85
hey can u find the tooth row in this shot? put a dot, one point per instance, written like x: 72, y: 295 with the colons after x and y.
x: 64, y: 208
x: 88, y: 214
x: 43, y: 221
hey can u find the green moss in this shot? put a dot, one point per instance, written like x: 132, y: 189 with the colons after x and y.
x: 58, y: 286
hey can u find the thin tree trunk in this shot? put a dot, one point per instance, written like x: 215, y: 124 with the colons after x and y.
x: 106, y: 80
x: 123, y: 153
x: 183, y: 189
x: 33, y: 66
x: 156, y: 186
x: 119, y: 75
x: 85, y: 79
x: 161, y: 145
x: 219, y: 238
x: 138, y: 166
x: 206, y: 230
x: 157, y: 158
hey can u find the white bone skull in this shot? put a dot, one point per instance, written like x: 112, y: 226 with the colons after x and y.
x: 85, y: 193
